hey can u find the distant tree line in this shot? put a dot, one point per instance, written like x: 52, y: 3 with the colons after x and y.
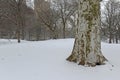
x: 52, y: 19
x: 56, y: 16
x: 111, y: 21
x: 46, y: 20
x: 16, y: 19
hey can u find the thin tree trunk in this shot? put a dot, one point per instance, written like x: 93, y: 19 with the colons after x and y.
x: 116, y: 36
x: 110, y: 38
x: 64, y: 24
x: 18, y: 36
x: 29, y: 35
x: 87, y: 46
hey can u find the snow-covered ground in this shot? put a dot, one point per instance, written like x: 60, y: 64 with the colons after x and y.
x: 45, y: 60
x: 9, y: 41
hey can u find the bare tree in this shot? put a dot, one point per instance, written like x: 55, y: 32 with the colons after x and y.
x: 17, y: 8
x: 110, y: 20
x: 66, y: 9
x: 47, y: 16
x: 6, y: 21
x: 13, y: 13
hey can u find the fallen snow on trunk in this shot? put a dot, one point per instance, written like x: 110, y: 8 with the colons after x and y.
x: 46, y: 60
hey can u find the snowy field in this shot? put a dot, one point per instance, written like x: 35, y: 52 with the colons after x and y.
x: 45, y: 60
x: 8, y: 41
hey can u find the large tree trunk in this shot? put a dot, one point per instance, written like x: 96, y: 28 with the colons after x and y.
x: 87, y: 46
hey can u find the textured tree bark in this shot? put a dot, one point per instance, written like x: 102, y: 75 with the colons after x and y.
x: 87, y: 45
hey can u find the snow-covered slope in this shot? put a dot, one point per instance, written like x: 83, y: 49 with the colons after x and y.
x: 45, y: 60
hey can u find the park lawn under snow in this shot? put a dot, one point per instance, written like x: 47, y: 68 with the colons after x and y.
x: 45, y: 60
